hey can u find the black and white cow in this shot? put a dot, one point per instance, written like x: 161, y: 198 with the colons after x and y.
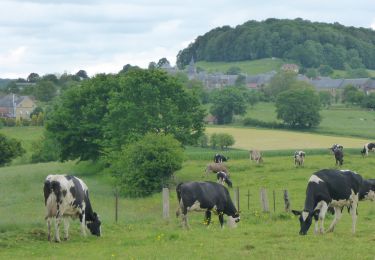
x: 67, y: 196
x: 367, y: 190
x: 329, y: 188
x: 299, y: 158
x: 339, y: 156
x: 219, y: 158
x: 205, y: 196
x: 222, y: 177
x: 367, y: 148
x: 336, y: 146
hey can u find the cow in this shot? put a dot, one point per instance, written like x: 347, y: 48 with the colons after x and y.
x: 299, y: 158
x: 205, y: 196
x: 255, y: 155
x: 367, y: 190
x: 336, y: 146
x: 216, y: 167
x: 67, y: 196
x: 222, y: 178
x: 329, y: 188
x: 218, y: 158
x: 339, y: 156
x: 367, y: 147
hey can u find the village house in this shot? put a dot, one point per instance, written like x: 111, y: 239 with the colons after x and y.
x: 14, y: 106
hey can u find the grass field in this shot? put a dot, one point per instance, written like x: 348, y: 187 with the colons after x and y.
x: 248, y: 67
x: 142, y: 234
x: 338, y: 120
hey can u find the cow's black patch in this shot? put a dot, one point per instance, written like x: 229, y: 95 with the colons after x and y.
x: 69, y: 177
x: 64, y: 193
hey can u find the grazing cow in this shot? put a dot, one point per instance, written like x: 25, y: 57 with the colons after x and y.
x: 329, y: 187
x: 216, y: 167
x: 67, y: 196
x: 205, y: 196
x: 256, y: 156
x: 367, y: 147
x: 218, y: 158
x: 336, y: 146
x: 222, y: 178
x: 299, y: 158
x: 339, y: 156
x: 367, y: 190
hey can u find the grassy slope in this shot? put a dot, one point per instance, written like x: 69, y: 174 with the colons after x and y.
x: 141, y: 233
x: 335, y: 121
x: 249, y: 67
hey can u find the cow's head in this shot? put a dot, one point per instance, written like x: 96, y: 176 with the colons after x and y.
x: 94, y: 226
x: 305, y: 219
x: 236, y: 217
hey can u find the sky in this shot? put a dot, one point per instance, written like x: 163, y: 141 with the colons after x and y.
x: 101, y: 36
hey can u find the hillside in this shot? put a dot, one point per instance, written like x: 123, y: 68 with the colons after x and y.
x: 310, y: 44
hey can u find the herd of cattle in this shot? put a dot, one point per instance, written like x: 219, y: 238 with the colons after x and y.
x: 327, y: 190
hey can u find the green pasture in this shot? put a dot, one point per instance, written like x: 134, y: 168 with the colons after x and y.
x: 248, y: 67
x: 141, y: 233
x: 337, y: 120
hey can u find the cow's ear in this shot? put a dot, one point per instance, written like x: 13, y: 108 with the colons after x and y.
x: 296, y: 212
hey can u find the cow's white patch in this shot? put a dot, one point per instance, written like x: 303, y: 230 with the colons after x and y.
x: 315, y: 179
x: 305, y: 214
x: 339, y: 203
x: 195, y: 207
x: 370, y: 195
x: 232, y: 222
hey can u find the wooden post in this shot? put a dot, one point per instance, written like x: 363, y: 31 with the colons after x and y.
x: 286, y: 201
x: 248, y: 199
x: 237, y: 192
x: 165, y: 203
x: 264, y: 200
x: 274, y: 201
x: 116, y: 205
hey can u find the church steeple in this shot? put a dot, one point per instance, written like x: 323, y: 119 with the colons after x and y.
x: 192, y: 71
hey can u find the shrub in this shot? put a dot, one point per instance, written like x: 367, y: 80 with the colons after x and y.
x: 9, y: 149
x: 141, y: 168
x: 46, y: 149
x: 203, y: 141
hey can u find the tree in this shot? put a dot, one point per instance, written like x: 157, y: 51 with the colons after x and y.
x: 234, y: 70
x: 33, y: 77
x: 161, y: 62
x: 352, y: 95
x: 325, y: 98
x: 143, y: 167
x: 10, y: 148
x: 36, y: 111
x: 50, y: 77
x: 152, y: 65
x: 226, y: 103
x: 369, y: 101
x: 279, y: 83
x: 12, y: 87
x: 311, y: 73
x: 325, y: 70
x: 225, y: 140
x: 44, y: 90
x: 299, y: 108
x: 82, y: 74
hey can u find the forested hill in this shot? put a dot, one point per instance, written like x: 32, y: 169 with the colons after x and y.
x: 310, y: 44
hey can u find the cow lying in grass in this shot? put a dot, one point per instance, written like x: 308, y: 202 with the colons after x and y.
x: 216, y: 167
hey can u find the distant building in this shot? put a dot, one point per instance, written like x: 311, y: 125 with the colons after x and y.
x: 191, y: 69
x: 290, y: 67
x: 14, y: 106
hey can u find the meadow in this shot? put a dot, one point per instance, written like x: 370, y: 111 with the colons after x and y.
x: 141, y: 233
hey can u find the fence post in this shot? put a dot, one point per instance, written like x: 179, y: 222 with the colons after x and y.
x: 116, y: 205
x: 237, y: 197
x: 248, y: 199
x: 286, y: 201
x: 165, y: 203
x: 274, y: 201
x: 264, y: 200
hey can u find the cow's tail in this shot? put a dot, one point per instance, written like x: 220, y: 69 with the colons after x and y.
x: 50, y: 200
x: 178, y: 191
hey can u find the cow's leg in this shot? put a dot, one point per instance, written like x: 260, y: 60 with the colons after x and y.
x: 338, y: 214
x: 322, y: 215
x: 66, y: 228
x: 57, y: 227
x: 353, y: 212
x: 49, y: 228
x: 221, y: 219
x: 82, y: 219
x: 207, y: 219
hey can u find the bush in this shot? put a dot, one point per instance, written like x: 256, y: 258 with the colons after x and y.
x: 45, y: 150
x: 141, y: 168
x: 222, y: 140
x: 9, y: 149
x: 258, y: 123
x: 203, y: 141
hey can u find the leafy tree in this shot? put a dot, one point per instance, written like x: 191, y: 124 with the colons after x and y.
x: 12, y: 88
x: 128, y: 67
x: 240, y: 80
x: 10, y: 148
x: 203, y: 141
x: 311, y: 73
x: 325, y: 70
x: 33, y: 77
x: 44, y: 90
x: 299, y: 108
x: 357, y: 73
x: 50, y: 77
x: 325, y: 98
x: 226, y: 103
x: 234, y: 70
x: 214, y: 141
x: 143, y: 167
x: 225, y: 140
x: 152, y: 65
x: 352, y: 95
x: 161, y: 62
x: 82, y: 74
x: 369, y: 101
x: 47, y: 149
x: 279, y: 83
x: 36, y: 111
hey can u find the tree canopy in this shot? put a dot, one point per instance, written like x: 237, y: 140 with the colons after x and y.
x: 309, y: 43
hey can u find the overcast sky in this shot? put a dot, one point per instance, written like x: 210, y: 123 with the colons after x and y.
x: 46, y: 36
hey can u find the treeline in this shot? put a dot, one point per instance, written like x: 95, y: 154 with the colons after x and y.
x: 311, y: 44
